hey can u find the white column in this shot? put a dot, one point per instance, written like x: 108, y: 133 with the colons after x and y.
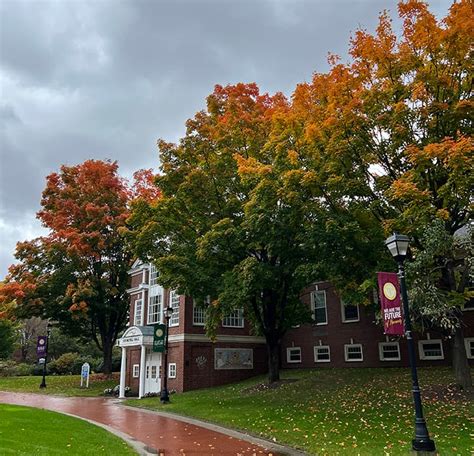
x: 141, y: 389
x: 123, y: 370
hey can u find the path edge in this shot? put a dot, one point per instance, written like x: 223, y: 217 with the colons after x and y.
x: 282, y: 450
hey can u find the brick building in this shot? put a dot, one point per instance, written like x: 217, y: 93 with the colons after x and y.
x: 342, y: 335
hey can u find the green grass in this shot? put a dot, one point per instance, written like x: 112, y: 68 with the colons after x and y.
x: 337, y: 411
x: 64, y: 385
x: 28, y: 431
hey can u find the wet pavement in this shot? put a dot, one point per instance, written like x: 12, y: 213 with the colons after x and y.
x: 162, y: 435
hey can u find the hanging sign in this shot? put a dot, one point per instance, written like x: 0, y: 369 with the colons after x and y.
x: 391, y: 304
x: 41, y: 347
x: 85, y: 373
x: 159, y: 333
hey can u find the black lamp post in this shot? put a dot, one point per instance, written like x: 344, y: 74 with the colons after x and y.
x: 164, y: 395
x: 398, y: 246
x: 48, y: 334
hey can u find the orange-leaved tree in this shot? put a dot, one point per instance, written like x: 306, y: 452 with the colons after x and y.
x: 77, y: 274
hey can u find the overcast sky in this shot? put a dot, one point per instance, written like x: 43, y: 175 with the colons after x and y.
x: 107, y: 78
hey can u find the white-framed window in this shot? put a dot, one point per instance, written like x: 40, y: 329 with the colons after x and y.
x: 153, y: 275
x: 353, y: 352
x: 234, y: 319
x: 293, y: 354
x: 155, y: 304
x: 318, y: 307
x: 389, y: 351
x: 174, y: 304
x: 136, y: 370
x: 349, y: 312
x: 199, y: 315
x: 469, y: 343
x: 322, y: 354
x: 430, y: 349
x: 138, y: 314
x: 172, y: 370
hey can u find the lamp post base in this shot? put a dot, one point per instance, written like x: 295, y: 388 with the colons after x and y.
x: 423, y: 445
x: 164, y: 396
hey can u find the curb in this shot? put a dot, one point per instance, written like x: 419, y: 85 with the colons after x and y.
x: 282, y: 450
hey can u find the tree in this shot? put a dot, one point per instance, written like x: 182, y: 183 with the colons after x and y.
x: 78, y: 273
x: 240, y: 221
x: 392, y: 130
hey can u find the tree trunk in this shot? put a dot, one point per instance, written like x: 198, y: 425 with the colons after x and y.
x: 461, y: 368
x: 107, y: 357
x: 273, y: 351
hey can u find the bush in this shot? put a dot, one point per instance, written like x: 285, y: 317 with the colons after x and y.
x: 12, y: 369
x: 64, y: 364
x: 116, y: 360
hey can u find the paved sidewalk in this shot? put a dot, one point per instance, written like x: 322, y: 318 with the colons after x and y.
x: 162, y: 435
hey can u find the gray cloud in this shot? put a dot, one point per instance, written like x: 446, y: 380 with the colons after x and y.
x: 105, y: 79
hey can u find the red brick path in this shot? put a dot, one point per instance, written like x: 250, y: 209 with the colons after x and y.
x: 173, y: 436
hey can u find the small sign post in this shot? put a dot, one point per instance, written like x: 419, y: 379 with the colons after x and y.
x: 85, y: 371
x: 159, y: 332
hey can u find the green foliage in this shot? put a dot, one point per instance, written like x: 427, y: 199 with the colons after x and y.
x: 7, y: 338
x: 10, y: 368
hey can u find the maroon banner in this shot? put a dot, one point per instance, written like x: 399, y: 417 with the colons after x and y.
x: 41, y: 347
x: 391, y: 303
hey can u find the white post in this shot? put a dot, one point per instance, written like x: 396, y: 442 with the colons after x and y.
x: 123, y: 369
x: 141, y: 390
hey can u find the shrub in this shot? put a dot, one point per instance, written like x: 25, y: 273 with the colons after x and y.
x: 64, y: 364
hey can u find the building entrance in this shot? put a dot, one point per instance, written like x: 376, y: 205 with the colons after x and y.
x: 152, y: 372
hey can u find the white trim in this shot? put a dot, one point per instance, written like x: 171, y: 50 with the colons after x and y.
x: 346, y: 350
x: 138, y: 289
x: 381, y: 353
x: 467, y: 343
x: 313, y: 306
x: 219, y: 338
x: 316, y: 348
x: 175, y: 316
x: 421, y: 351
x: 343, y: 315
x: 170, y: 374
x: 136, y: 371
x: 288, y: 357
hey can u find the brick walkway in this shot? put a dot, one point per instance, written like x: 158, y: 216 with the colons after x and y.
x: 166, y: 435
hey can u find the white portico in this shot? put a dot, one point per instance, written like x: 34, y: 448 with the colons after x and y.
x: 149, y: 368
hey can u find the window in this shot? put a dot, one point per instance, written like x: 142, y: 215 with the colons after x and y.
x: 136, y: 370
x: 174, y: 304
x: 172, y: 370
x: 322, y: 354
x: 469, y: 305
x: 353, y: 352
x: 199, y: 315
x: 293, y: 355
x: 153, y: 275
x: 153, y: 371
x: 154, y: 308
x: 350, y: 312
x: 389, y: 351
x: 138, y: 320
x: 318, y: 304
x: 235, y: 319
x: 469, y: 342
x: 430, y: 349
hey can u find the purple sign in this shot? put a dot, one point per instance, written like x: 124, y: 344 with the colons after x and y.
x: 41, y: 346
x: 391, y: 303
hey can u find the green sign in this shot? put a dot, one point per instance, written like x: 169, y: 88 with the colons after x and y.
x: 159, y: 332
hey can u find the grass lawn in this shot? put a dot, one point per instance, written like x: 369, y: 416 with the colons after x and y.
x: 337, y: 411
x: 61, y: 385
x: 28, y: 431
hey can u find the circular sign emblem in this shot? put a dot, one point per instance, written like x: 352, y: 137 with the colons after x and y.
x: 159, y: 332
x: 41, y: 341
x: 389, y: 291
